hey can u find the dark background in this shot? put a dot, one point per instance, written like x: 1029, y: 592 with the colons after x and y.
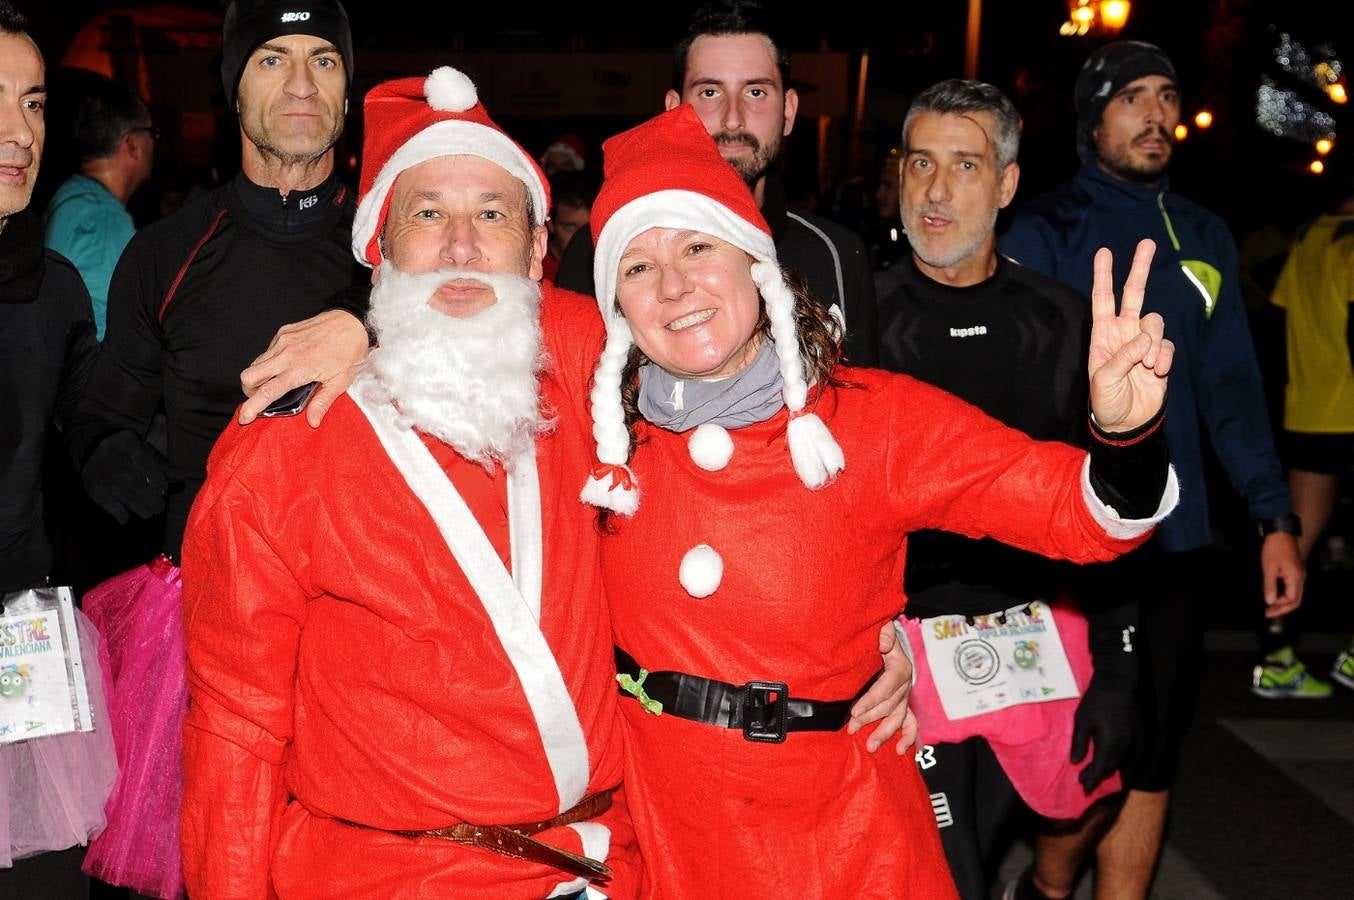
x: 1220, y: 48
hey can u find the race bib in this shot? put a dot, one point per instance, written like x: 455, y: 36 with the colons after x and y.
x: 42, y: 677
x: 1000, y: 660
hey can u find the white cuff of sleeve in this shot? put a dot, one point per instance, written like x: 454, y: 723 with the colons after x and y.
x: 1115, y: 525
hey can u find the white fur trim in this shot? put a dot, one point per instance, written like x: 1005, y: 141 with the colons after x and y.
x: 701, y: 571
x: 1115, y: 525
x: 450, y: 137
x: 599, y: 492
x: 507, y: 600
x: 710, y: 446
x: 450, y: 90
x: 668, y: 209
x: 816, y: 455
x: 596, y: 840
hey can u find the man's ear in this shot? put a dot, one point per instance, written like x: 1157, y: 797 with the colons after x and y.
x: 539, y: 238
x: 1010, y: 179
x: 791, y: 109
x: 672, y: 100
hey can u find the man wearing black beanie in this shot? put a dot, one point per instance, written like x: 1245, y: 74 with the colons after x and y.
x: 1128, y: 104
x: 194, y: 299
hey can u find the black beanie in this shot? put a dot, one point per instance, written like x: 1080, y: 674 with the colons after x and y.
x: 253, y: 22
x: 1105, y: 72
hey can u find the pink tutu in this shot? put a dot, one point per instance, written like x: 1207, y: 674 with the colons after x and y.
x: 53, y: 789
x: 1032, y: 741
x: 140, y: 616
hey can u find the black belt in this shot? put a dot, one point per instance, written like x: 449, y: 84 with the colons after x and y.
x: 764, y: 710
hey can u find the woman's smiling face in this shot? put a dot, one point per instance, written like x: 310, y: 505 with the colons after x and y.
x: 690, y: 301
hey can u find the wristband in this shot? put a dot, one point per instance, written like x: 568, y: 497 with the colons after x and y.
x: 1288, y: 523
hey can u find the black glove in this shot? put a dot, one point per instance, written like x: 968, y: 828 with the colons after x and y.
x: 125, y: 476
x: 1106, y: 717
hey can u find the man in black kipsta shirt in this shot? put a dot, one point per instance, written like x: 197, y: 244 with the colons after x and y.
x: 1015, y: 344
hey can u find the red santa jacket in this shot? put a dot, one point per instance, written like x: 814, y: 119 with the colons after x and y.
x: 808, y: 578
x: 358, y: 651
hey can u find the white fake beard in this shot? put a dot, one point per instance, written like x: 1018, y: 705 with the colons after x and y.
x: 469, y: 382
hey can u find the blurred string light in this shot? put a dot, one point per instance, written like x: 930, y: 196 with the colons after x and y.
x: 1320, y: 66
x: 1286, y: 104
x: 1181, y: 132
x: 1203, y: 118
x: 1283, y: 113
x: 1101, y: 16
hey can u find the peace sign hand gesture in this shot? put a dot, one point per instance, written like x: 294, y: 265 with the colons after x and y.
x: 1130, y: 356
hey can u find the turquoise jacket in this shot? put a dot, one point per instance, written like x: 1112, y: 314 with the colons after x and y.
x: 90, y: 227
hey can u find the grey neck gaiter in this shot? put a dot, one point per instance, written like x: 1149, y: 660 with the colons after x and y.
x: 680, y: 404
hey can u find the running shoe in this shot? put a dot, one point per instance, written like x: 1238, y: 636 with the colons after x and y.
x: 1343, y: 670
x: 1283, y: 675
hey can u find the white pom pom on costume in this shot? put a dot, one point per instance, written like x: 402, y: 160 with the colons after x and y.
x: 450, y: 90
x: 711, y: 447
x: 814, y: 452
x: 701, y: 571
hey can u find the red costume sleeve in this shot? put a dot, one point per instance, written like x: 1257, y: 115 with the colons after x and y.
x: 242, y: 617
x: 960, y: 470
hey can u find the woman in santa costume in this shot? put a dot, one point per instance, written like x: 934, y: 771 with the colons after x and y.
x: 778, y: 489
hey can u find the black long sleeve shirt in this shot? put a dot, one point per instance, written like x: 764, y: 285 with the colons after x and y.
x: 47, y: 351
x: 194, y: 299
x: 1015, y: 345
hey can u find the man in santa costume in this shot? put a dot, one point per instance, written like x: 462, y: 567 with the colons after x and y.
x: 396, y: 632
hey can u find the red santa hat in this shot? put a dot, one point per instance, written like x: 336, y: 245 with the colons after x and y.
x: 667, y: 173
x: 412, y: 120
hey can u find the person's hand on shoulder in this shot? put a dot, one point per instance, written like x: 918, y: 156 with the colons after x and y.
x: 327, y: 348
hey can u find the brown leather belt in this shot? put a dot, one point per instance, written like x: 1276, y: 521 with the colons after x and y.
x: 517, y: 840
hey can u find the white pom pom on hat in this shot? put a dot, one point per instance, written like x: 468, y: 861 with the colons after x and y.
x: 701, y: 571
x: 450, y: 90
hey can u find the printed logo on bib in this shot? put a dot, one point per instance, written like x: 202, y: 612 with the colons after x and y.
x: 976, y: 661
x: 994, y: 661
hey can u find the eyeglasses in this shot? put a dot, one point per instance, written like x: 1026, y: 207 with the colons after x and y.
x: 154, y: 132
